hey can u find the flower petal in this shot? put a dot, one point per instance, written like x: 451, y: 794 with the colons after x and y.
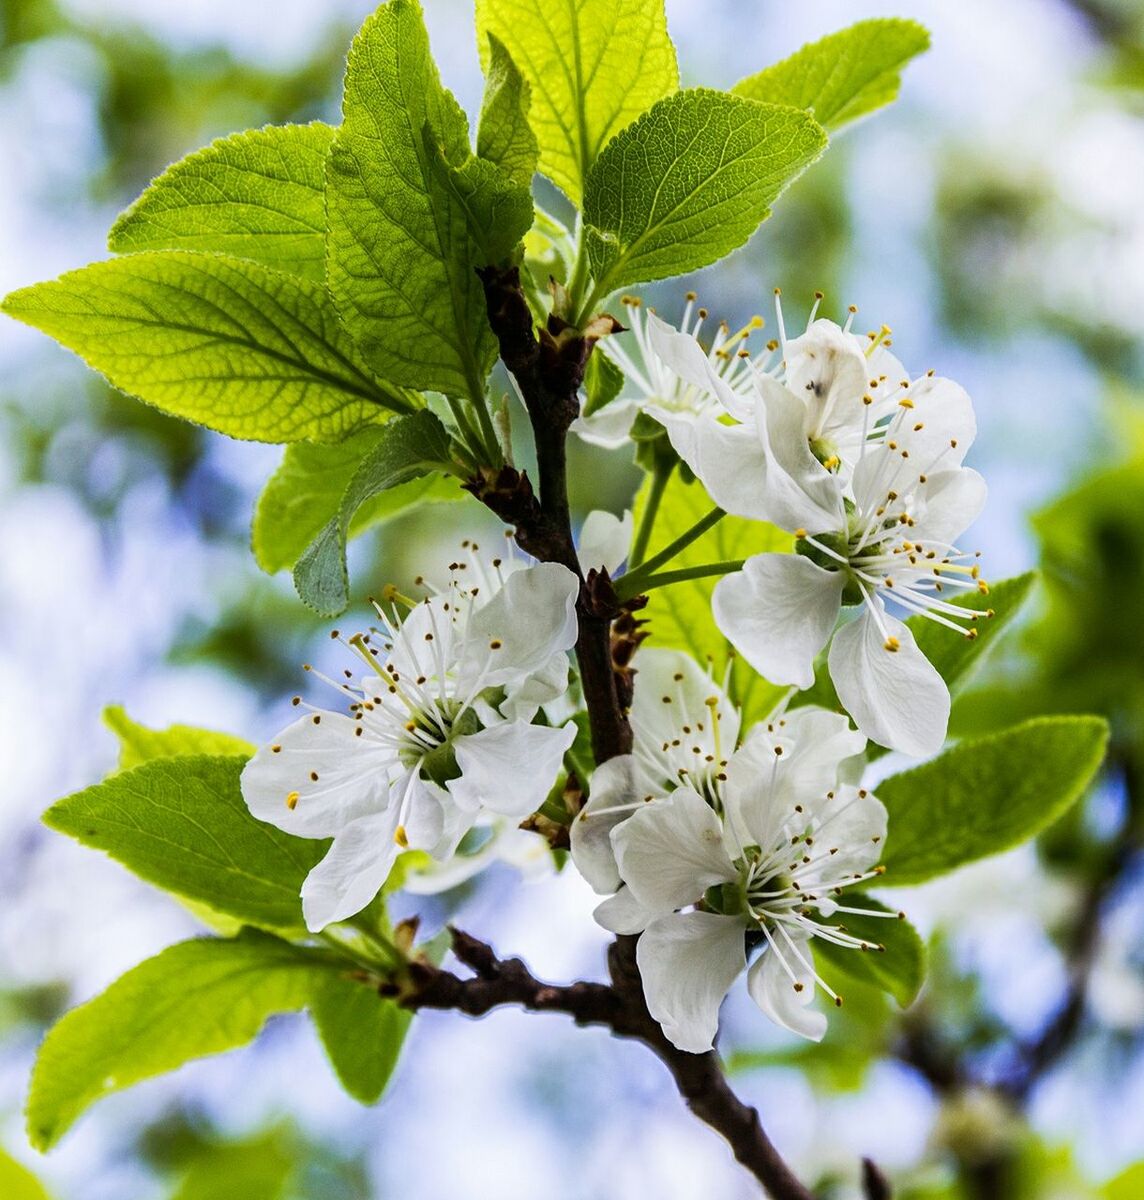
x: 521, y: 627
x: 778, y: 612
x: 524, y: 697
x: 673, y: 692
x: 763, y: 787
x: 730, y: 460
x: 510, y: 768
x: 897, y: 698
x: 354, y: 868
x: 608, y: 427
x: 953, y: 501
x: 604, y: 541
x: 623, y: 913
x: 827, y: 371
x: 671, y: 851
x: 322, y: 775
x: 774, y: 991
x: 687, y: 962
x: 614, y: 790
x: 850, y: 827
x: 800, y: 492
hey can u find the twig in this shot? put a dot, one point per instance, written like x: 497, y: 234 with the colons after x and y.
x: 618, y: 1006
x: 548, y: 370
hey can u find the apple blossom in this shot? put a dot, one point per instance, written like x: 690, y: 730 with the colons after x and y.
x: 864, y: 466
x: 437, y: 728
x: 761, y: 860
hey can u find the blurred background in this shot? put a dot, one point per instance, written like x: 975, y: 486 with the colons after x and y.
x: 994, y: 217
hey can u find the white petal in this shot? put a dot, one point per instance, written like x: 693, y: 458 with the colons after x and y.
x: 944, y: 411
x: 510, y: 768
x: 425, y: 642
x: 604, y: 541
x: 687, y: 962
x: 623, y: 913
x: 828, y: 373
x: 729, y: 460
x: 778, y: 612
x: 953, y: 501
x: 521, y: 627
x: 773, y: 989
x: 524, y: 697
x: 763, y: 787
x: 613, y: 789
x: 850, y: 826
x: 800, y: 492
x: 897, y: 698
x: 352, y: 776
x: 671, y: 851
x: 608, y: 427
x: 680, y: 352
x: 354, y: 868
x: 673, y: 690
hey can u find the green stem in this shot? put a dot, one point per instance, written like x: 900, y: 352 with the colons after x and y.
x: 648, y: 583
x: 471, y: 439
x: 597, y: 296
x: 492, y: 443
x: 661, y: 473
x: 579, y: 278
x: 631, y: 583
x: 379, y: 943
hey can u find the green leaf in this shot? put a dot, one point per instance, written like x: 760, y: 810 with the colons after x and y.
x: 986, y: 795
x: 504, y: 135
x: 139, y: 744
x: 603, y: 382
x: 1128, y: 1185
x: 497, y: 209
x: 181, y: 824
x: 845, y: 75
x: 258, y: 194
x: 197, y: 998
x: 17, y: 1182
x: 400, y: 254
x: 410, y: 446
x: 953, y: 654
x: 899, y: 968
x: 956, y: 656
x: 361, y: 1032
x: 258, y: 1168
x: 679, y: 615
x: 689, y: 182
x: 307, y: 489
x: 224, y: 342
x: 594, y: 66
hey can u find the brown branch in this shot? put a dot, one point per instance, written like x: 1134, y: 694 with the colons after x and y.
x: 549, y: 369
x: 618, y: 1006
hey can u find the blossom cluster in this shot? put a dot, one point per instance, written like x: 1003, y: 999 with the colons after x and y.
x: 722, y: 847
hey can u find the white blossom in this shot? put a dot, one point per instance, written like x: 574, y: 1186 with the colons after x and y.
x: 759, y: 859
x: 652, y: 382
x: 864, y: 466
x: 438, y: 731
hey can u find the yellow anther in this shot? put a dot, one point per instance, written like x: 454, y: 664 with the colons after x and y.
x: 905, y: 402
x: 800, y: 533
x: 291, y: 800
x: 893, y: 645
x: 400, y: 837
x: 983, y: 587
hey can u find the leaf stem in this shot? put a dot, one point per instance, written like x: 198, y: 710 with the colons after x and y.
x: 661, y: 474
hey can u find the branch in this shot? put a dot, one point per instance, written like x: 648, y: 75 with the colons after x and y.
x: 548, y: 370
x: 620, y: 1007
